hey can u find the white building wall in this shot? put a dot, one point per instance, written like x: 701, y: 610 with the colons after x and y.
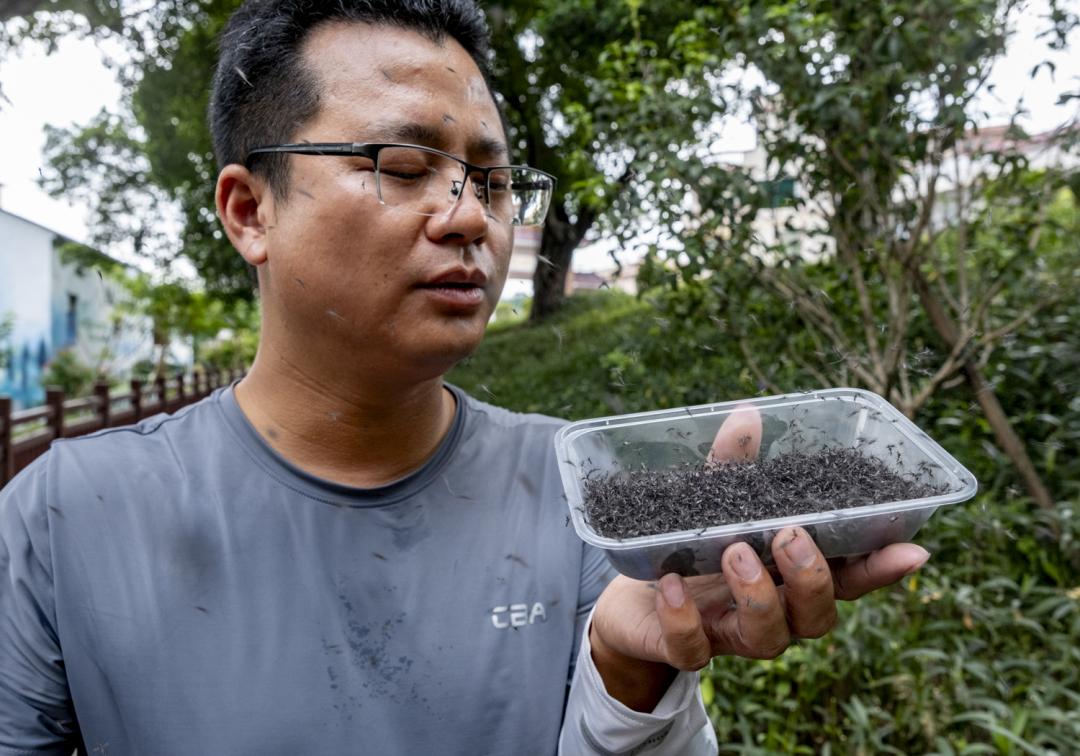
x: 25, y: 275
x: 37, y: 290
x: 97, y: 343
x: 799, y: 229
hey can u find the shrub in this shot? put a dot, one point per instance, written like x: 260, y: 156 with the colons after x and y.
x: 66, y: 371
x: 235, y: 352
x: 977, y: 653
x: 605, y: 353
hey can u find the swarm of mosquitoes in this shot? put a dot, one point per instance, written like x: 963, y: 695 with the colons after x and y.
x: 697, y: 496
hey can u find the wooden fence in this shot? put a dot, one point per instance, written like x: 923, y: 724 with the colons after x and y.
x: 25, y: 435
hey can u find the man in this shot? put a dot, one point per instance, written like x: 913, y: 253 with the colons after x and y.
x: 342, y: 554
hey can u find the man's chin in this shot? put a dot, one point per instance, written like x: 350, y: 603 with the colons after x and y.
x: 447, y: 355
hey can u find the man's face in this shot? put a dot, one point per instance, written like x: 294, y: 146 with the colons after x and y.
x: 352, y: 280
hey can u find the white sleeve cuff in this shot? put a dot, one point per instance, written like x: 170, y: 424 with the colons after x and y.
x: 596, y: 723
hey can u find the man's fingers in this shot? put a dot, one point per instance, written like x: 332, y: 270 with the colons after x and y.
x: 808, y: 583
x: 877, y: 569
x: 739, y: 437
x: 757, y: 627
x: 685, y: 644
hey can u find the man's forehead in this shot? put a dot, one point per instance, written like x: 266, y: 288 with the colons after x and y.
x: 440, y: 136
x: 353, y: 58
x: 347, y: 53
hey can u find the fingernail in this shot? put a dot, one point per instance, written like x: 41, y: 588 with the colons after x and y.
x: 922, y: 560
x: 745, y: 563
x: 799, y: 548
x: 671, y: 586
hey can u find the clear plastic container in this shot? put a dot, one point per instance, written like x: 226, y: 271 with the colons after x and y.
x: 807, y: 421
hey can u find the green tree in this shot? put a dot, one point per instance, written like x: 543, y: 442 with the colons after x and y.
x: 147, y: 172
x: 105, y: 13
x: 49, y: 20
x: 548, y: 57
x: 931, y: 235
x: 104, y: 165
x: 176, y: 312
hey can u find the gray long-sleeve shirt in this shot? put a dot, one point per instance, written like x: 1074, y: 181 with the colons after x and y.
x: 177, y: 587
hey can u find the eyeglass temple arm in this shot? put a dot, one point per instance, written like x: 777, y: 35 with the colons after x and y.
x: 314, y: 148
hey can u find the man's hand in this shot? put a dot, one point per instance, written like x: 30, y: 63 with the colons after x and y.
x: 642, y: 632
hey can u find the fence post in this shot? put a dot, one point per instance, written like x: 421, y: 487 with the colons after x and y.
x: 7, y: 455
x: 160, y: 387
x: 54, y: 398
x: 136, y: 398
x: 101, y: 391
x: 181, y: 391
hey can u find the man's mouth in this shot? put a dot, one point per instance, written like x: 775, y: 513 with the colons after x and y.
x: 457, y: 293
x: 457, y: 278
x: 451, y: 285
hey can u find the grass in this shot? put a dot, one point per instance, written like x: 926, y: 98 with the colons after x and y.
x: 605, y: 353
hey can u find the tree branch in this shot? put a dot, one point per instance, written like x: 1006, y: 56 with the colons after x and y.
x: 764, y: 380
x: 990, y: 337
x: 817, y: 317
x: 851, y: 259
x: 999, y: 281
x: 952, y: 364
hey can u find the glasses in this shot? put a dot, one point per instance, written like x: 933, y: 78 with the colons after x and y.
x: 428, y: 181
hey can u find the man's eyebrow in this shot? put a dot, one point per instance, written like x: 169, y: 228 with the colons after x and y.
x: 406, y: 131
x: 488, y: 147
x: 411, y: 132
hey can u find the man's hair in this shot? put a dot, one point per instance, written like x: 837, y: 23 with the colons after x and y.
x: 263, y: 92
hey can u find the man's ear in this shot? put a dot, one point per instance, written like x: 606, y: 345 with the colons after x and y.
x: 245, y: 206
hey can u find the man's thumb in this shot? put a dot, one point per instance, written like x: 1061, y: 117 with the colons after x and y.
x: 685, y: 643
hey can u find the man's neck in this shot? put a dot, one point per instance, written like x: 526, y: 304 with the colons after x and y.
x: 357, y: 435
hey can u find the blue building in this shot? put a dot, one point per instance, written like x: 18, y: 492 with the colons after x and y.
x: 53, y: 305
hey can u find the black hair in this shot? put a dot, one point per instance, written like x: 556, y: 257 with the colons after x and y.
x: 263, y: 92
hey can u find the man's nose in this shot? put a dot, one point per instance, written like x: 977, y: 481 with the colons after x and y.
x: 467, y: 216
x: 470, y: 186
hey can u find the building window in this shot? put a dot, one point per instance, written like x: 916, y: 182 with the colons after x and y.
x: 72, y: 319
x: 778, y: 193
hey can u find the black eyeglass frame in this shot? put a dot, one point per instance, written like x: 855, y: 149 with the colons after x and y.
x: 370, y: 150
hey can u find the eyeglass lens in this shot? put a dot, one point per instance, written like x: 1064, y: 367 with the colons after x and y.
x: 428, y: 183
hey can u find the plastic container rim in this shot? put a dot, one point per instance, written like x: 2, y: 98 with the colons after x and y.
x: 565, y: 435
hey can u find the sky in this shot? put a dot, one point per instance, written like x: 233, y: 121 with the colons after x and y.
x: 66, y: 88
x: 71, y: 85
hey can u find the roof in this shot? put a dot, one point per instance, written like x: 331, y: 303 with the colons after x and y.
x: 34, y: 223
x: 59, y: 236
x: 588, y: 280
x: 999, y: 138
